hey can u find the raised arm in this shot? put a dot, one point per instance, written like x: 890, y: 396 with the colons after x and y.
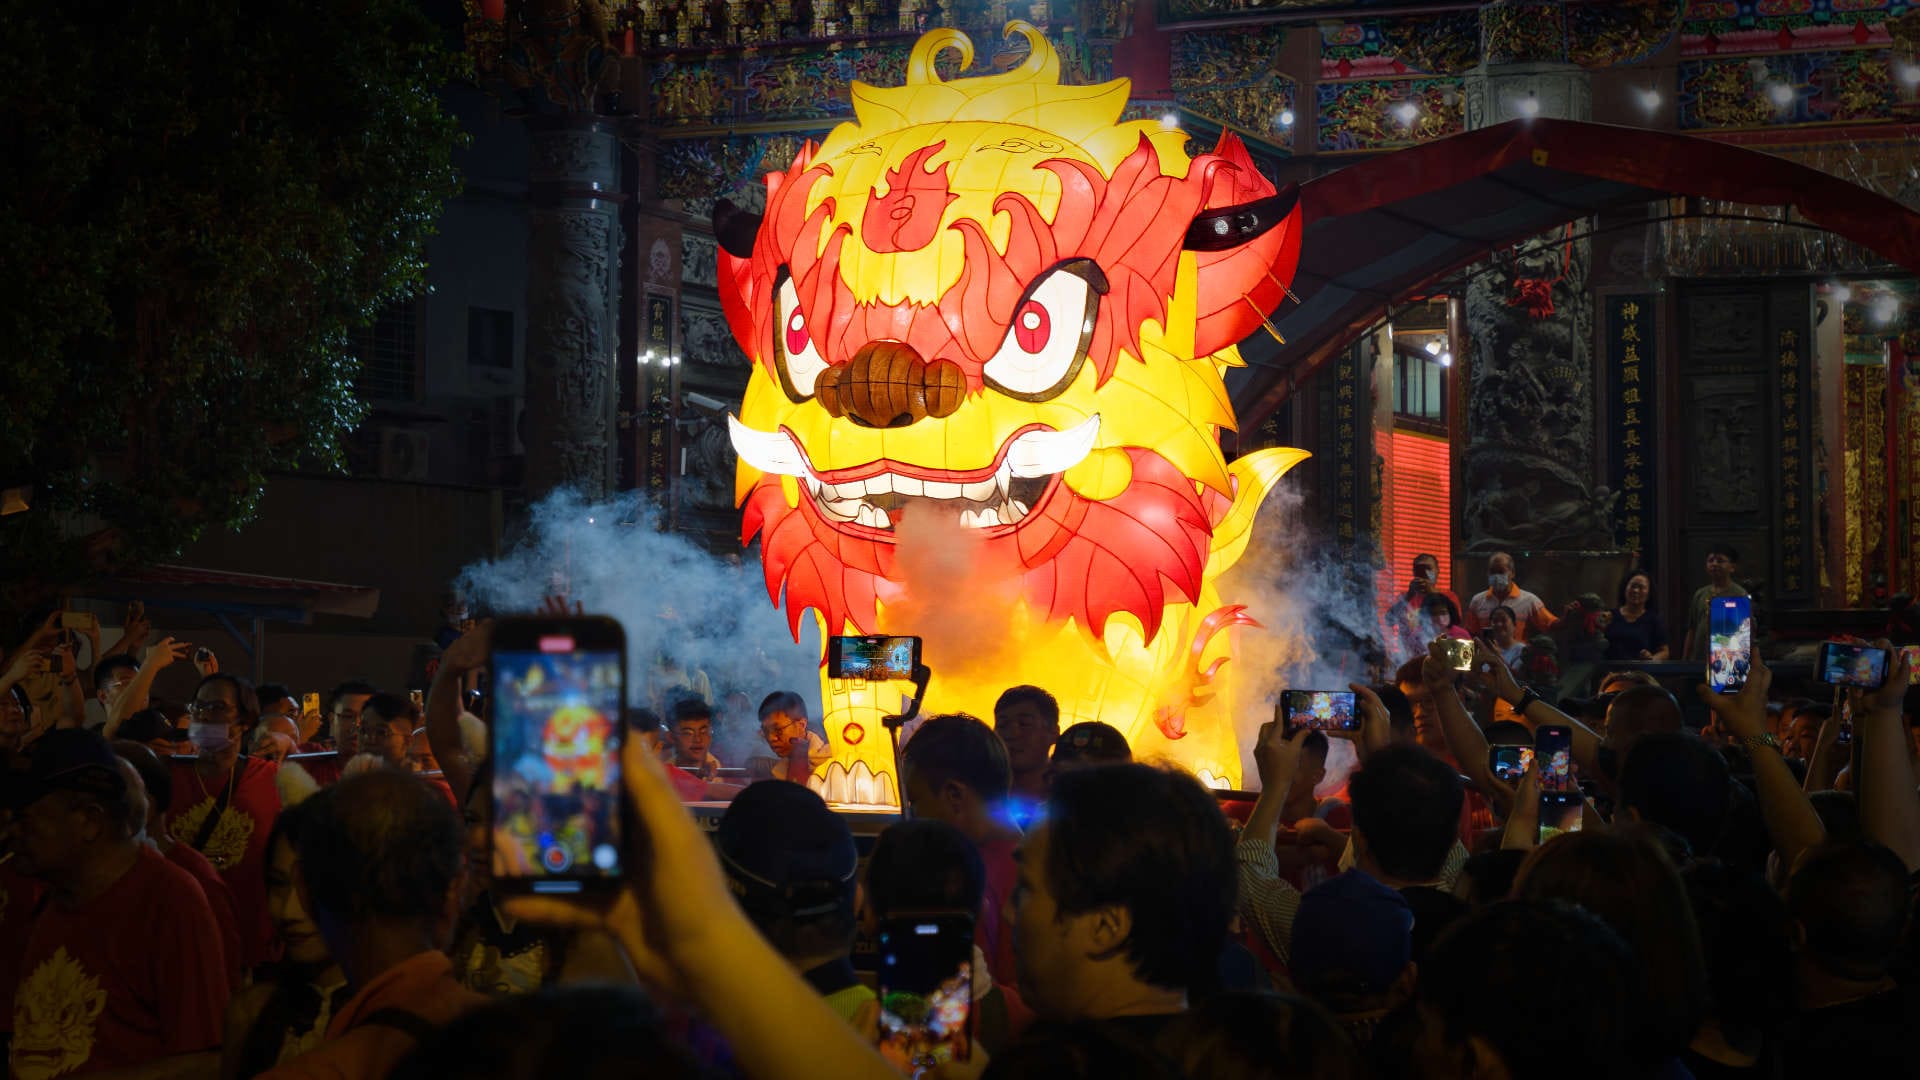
x: 1493, y: 670
x: 1465, y: 740
x: 466, y: 655
x: 134, y: 696
x: 1790, y: 818
x: 1267, y: 900
x: 1889, y: 802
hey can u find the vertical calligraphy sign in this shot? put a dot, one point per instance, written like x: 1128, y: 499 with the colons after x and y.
x: 1632, y: 381
x: 656, y: 338
x: 1795, y: 509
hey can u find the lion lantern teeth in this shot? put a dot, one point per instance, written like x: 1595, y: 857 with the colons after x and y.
x: 1006, y: 497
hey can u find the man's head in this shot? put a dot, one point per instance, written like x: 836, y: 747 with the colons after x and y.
x: 69, y: 807
x: 1802, y: 735
x: 783, y: 719
x: 1547, y: 1024
x: 1128, y: 883
x: 343, y: 714
x: 1426, y: 568
x: 1352, y: 942
x: 156, y: 782
x: 691, y: 731
x: 1406, y: 814
x: 1634, y: 712
x: 1500, y: 573
x: 1086, y: 744
x: 386, y: 723
x: 1679, y: 782
x: 111, y: 675
x: 1027, y: 719
x: 224, y: 708
x: 1723, y: 561
x: 1413, y: 716
x: 383, y: 847
x: 791, y: 863
x: 1851, y: 905
x: 955, y: 770
x: 277, y: 700
x: 923, y: 865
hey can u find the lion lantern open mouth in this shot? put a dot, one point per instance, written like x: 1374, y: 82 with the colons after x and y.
x: 989, y: 306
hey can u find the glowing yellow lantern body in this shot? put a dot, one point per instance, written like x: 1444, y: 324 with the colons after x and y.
x: 989, y: 324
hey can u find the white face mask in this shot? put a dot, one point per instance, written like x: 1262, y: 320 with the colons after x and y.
x: 209, y: 738
x: 1498, y: 582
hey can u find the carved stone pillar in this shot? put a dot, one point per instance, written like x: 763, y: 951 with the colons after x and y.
x: 573, y: 298
x: 1531, y: 461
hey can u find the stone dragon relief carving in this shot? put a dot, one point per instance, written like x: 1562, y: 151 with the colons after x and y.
x: 1530, y: 415
x: 570, y: 342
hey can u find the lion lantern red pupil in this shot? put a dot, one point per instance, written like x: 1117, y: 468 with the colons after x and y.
x: 1031, y: 327
x: 796, y: 334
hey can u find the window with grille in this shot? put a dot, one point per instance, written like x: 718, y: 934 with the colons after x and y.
x: 387, y: 355
x: 1420, y: 391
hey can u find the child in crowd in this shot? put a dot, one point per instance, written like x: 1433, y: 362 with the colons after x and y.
x: 691, y: 734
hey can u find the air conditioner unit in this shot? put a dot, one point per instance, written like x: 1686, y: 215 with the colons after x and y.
x: 509, y: 413
x: 403, y: 454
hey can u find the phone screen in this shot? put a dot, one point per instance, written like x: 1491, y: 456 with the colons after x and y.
x: 1560, y: 812
x: 556, y: 748
x: 1553, y: 749
x: 1320, y: 710
x: 1509, y: 763
x: 872, y: 659
x: 1847, y: 664
x: 1459, y: 653
x: 926, y: 990
x: 1729, y: 643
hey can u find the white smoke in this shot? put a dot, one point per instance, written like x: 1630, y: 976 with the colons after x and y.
x: 1318, y: 627
x: 693, y: 620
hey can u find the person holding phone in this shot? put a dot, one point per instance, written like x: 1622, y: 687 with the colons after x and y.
x: 1723, y: 562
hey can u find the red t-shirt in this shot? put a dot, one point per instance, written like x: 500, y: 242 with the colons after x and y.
x: 19, y: 896
x: 131, y: 976
x: 422, y: 984
x: 995, y: 935
x: 237, y: 846
x: 219, y: 899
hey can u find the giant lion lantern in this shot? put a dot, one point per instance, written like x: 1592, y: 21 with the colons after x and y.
x: 988, y: 318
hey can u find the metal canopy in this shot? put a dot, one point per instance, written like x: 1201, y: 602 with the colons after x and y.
x: 1379, y: 232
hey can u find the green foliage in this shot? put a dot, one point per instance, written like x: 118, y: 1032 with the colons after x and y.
x: 199, y: 203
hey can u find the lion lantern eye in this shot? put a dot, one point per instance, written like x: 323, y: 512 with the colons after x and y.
x: 800, y: 360
x: 1047, y: 341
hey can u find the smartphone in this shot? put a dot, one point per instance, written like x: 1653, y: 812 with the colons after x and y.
x: 1320, y: 710
x: 80, y: 620
x: 1842, y: 663
x: 310, y: 704
x: 1560, y: 812
x: 1843, y: 736
x: 1912, y: 655
x: 1729, y: 643
x: 872, y: 659
x: 926, y: 989
x: 1553, y: 750
x: 419, y: 700
x: 1459, y: 653
x: 559, y: 683
x: 1509, y: 763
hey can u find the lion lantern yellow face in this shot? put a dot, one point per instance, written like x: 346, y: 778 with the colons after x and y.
x: 987, y: 315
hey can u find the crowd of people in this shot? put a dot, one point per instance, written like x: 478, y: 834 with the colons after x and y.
x: 253, y: 883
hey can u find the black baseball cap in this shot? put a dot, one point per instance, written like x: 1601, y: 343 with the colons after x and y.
x: 67, y: 759
x: 148, y: 725
x: 785, y: 853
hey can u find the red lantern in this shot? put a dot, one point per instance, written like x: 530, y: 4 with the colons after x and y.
x: 493, y: 10
x: 626, y: 42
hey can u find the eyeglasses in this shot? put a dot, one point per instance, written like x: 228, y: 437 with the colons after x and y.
x: 210, y: 708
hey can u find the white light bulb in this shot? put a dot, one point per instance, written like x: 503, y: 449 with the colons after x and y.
x: 1649, y: 98
x: 1406, y: 112
x: 1170, y: 120
x: 1907, y: 72
x: 1885, y: 310
x: 1528, y: 106
x: 1446, y: 359
x: 1433, y: 347
x: 1286, y: 117
x: 1841, y: 293
x: 1780, y: 94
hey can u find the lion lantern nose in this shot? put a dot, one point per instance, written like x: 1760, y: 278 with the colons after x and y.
x: 888, y: 385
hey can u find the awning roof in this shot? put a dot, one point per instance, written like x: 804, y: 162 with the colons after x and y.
x: 1379, y: 231
x: 220, y: 592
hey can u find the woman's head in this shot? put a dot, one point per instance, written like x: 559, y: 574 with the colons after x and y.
x: 1502, y: 623
x: 1637, y: 590
x: 1624, y: 876
x: 298, y: 934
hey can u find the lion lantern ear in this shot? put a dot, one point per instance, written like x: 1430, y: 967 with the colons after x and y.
x: 1245, y: 244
